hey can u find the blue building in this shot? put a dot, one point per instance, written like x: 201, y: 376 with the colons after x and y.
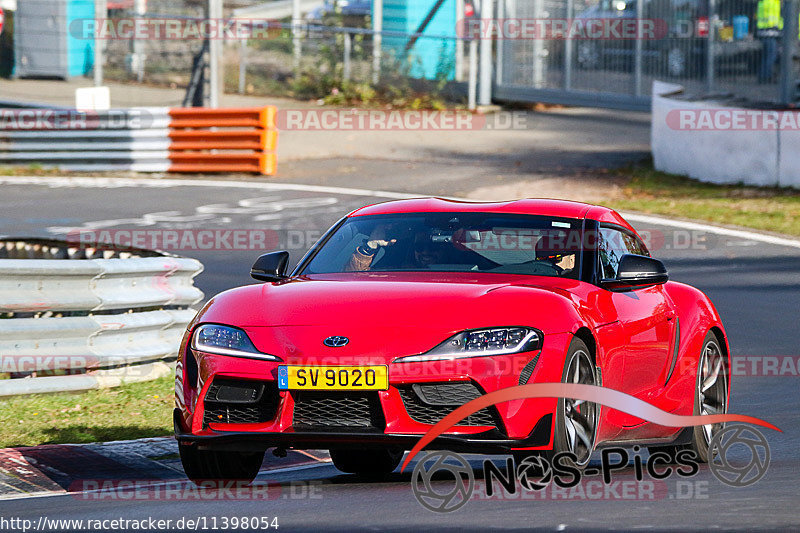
x: 45, y: 46
x: 429, y: 57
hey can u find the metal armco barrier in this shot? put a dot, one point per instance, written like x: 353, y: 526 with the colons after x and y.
x: 70, y: 321
x: 196, y: 140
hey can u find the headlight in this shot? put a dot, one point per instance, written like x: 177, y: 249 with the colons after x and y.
x: 226, y: 340
x: 482, y: 342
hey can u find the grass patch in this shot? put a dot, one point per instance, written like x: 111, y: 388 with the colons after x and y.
x: 650, y: 191
x: 132, y: 411
x: 31, y: 169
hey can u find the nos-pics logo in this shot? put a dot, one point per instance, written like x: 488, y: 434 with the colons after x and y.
x: 443, y: 481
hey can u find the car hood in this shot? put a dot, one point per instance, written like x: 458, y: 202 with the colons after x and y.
x: 409, y: 312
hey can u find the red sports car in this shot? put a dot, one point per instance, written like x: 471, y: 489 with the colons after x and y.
x: 406, y: 310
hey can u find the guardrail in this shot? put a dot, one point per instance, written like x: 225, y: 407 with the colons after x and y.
x: 148, y: 139
x: 75, y: 318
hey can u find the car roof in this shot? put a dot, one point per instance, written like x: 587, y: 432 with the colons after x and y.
x: 527, y: 206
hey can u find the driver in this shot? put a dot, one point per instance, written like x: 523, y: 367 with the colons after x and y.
x: 553, y: 249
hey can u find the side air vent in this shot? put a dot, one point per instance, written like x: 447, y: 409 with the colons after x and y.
x: 527, y: 371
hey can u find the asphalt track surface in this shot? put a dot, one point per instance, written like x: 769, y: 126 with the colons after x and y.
x: 754, y: 284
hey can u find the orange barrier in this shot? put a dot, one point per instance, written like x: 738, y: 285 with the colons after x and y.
x: 264, y: 140
x: 223, y: 140
x: 199, y: 162
x: 192, y: 139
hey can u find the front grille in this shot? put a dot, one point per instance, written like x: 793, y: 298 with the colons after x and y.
x: 326, y: 411
x: 235, y: 401
x: 429, y: 403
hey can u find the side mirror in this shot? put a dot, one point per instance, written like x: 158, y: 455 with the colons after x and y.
x: 270, y: 267
x: 637, y: 271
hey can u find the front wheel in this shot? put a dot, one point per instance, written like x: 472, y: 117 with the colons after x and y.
x: 368, y: 462
x: 219, y: 465
x: 710, y: 398
x: 576, y: 420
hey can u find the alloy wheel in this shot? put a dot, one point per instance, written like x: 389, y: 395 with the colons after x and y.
x: 580, y: 417
x: 712, y: 387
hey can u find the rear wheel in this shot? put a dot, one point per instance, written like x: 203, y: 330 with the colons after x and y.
x: 368, y: 462
x: 219, y: 465
x: 710, y: 398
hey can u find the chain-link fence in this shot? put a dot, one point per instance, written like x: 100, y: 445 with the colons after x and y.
x: 155, y: 61
x: 319, y: 58
x: 618, y: 47
x: 583, y: 52
x: 331, y: 60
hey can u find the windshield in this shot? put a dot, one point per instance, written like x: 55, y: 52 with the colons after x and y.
x: 452, y: 242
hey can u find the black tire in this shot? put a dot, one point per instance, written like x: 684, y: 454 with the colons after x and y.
x: 218, y: 465
x: 366, y: 462
x: 713, y: 400
x: 580, y: 441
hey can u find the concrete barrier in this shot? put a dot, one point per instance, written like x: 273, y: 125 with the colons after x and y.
x: 717, y: 150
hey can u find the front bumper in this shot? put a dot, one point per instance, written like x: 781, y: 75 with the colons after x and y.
x: 489, y: 442
x: 522, y: 424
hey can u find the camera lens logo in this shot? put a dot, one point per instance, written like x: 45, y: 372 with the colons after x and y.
x: 534, y: 473
x: 455, y: 473
x: 734, y: 465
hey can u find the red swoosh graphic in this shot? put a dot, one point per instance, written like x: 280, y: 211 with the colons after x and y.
x: 590, y: 393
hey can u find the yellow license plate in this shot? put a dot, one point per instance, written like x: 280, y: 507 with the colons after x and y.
x: 333, y: 377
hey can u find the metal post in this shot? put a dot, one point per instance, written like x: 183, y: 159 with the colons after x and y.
x: 711, y: 52
x: 501, y: 44
x: 100, y: 14
x: 568, y: 48
x: 296, y: 41
x: 214, y: 54
x: 460, y: 41
x: 348, y: 47
x: 485, y: 90
x: 472, y: 85
x: 377, y: 39
x: 242, y: 64
x: 788, y: 77
x: 637, y: 65
x: 140, y: 8
x: 538, y: 48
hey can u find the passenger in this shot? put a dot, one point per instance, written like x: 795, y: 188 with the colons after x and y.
x: 423, y: 252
